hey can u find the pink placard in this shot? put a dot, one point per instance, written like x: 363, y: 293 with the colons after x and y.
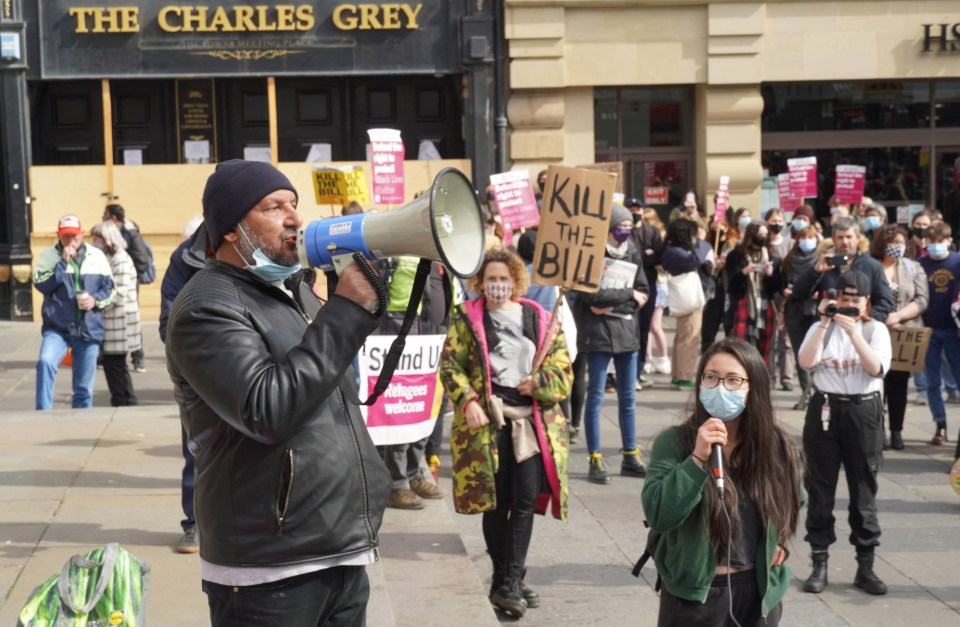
x: 516, y: 202
x: 723, y: 199
x: 408, y: 400
x: 803, y: 177
x: 787, y: 201
x: 848, y: 186
x: 386, y: 155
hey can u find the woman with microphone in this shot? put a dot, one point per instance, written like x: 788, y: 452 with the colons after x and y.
x: 849, y: 354
x: 723, y: 553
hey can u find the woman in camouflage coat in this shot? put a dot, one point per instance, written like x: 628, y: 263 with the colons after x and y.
x: 508, y: 472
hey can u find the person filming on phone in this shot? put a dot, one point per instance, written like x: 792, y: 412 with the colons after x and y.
x: 849, y: 355
x: 848, y: 253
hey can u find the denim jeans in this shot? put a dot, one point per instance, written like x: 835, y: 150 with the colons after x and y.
x: 943, y: 342
x: 626, y: 368
x: 949, y: 381
x: 53, y: 348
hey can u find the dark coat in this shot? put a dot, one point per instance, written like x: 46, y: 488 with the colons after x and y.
x: 618, y: 333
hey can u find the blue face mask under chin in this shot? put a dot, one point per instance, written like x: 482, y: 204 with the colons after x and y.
x: 722, y: 403
x: 265, y: 268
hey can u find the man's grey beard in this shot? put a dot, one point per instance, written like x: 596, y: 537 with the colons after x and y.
x: 247, y: 245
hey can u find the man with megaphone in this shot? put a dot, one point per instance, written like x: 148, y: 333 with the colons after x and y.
x: 290, y: 489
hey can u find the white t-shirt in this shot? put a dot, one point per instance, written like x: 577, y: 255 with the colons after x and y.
x: 838, y: 368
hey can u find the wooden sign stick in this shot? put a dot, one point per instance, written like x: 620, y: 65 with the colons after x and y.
x: 541, y: 355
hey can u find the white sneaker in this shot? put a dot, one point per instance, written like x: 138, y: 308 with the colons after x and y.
x: 663, y: 365
x: 921, y: 398
x: 648, y: 366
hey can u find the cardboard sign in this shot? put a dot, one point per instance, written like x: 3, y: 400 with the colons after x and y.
x: 788, y: 202
x: 613, y: 167
x: 407, y: 410
x: 723, y: 199
x: 516, y: 203
x: 340, y: 186
x: 386, y: 155
x: 574, y: 223
x: 803, y: 177
x: 656, y: 195
x: 909, y: 348
x: 848, y: 184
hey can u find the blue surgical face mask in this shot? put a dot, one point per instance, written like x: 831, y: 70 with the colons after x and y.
x: 799, y: 224
x: 808, y: 245
x: 938, y: 250
x: 722, y: 403
x: 872, y: 223
x: 266, y: 268
x: 743, y: 222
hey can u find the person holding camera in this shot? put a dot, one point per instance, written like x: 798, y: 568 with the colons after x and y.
x: 849, y: 355
x: 848, y: 253
x: 752, y: 280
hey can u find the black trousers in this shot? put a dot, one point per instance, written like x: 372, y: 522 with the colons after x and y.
x: 118, y: 380
x: 333, y: 597
x: 853, y: 438
x: 507, y: 530
x: 713, y: 315
x: 896, y: 387
x: 644, y: 318
x: 578, y: 395
x: 715, y: 611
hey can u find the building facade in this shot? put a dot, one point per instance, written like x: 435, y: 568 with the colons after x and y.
x: 687, y: 91
x: 137, y: 101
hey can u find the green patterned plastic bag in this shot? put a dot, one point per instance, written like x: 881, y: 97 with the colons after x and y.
x: 106, y: 587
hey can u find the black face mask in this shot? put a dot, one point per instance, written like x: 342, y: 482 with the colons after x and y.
x: 918, y: 232
x: 759, y: 241
x: 775, y: 228
x: 636, y: 218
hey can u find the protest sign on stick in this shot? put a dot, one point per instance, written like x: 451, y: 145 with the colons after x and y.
x: 849, y: 183
x: 803, y: 177
x: 387, y: 153
x: 788, y: 202
x: 408, y: 408
x: 340, y: 186
x: 516, y: 203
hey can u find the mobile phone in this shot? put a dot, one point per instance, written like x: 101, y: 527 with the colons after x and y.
x: 837, y: 260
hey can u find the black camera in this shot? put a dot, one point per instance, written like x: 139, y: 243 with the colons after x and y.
x: 833, y: 310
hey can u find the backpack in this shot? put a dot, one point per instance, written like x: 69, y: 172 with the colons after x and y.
x: 107, y: 586
x: 653, y: 538
x: 149, y: 274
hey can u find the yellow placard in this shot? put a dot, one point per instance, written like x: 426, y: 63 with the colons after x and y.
x: 336, y: 186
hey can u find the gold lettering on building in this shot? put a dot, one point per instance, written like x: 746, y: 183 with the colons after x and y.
x: 368, y: 16
x: 197, y: 19
x: 105, y: 20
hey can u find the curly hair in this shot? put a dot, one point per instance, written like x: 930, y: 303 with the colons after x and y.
x: 518, y: 271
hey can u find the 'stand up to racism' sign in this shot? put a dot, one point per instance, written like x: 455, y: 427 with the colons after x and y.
x: 574, y: 223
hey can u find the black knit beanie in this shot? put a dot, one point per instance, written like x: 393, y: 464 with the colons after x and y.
x: 234, y: 188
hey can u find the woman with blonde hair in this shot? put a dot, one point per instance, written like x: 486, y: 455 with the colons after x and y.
x: 121, y: 319
x: 657, y: 363
x: 509, y: 437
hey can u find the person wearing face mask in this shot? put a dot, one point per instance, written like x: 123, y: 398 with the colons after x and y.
x: 838, y: 211
x: 799, y: 313
x: 121, y: 319
x: 917, y: 244
x: 609, y: 331
x: 782, y: 357
x: 849, y: 354
x: 508, y: 439
x: 753, y: 278
x: 803, y: 217
x: 290, y: 489
x: 875, y: 216
x: 908, y: 282
x: 724, y: 554
x: 943, y: 276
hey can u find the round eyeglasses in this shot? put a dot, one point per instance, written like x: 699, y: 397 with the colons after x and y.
x: 731, y: 382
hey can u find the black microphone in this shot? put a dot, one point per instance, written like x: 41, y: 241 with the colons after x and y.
x: 831, y: 294
x: 718, y: 471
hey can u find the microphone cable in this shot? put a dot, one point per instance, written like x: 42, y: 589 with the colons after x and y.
x: 723, y: 506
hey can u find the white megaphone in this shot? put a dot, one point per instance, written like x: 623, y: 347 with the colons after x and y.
x: 443, y: 224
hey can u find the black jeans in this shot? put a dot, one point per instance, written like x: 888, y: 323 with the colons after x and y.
x: 333, y: 597
x: 713, y: 315
x: 188, y: 484
x: 508, y: 529
x: 578, y: 395
x: 715, y: 611
x: 644, y: 318
x: 118, y: 380
x: 854, y: 438
x: 896, y: 387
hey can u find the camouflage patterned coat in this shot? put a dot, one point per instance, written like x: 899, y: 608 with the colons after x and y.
x: 465, y: 373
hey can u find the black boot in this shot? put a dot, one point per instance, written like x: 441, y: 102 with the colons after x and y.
x: 508, y: 598
x: 866, y: 579
x: 896, y: 440
x: 817, y: 580
x: 532, y: 598
x: 631, y: 466
x: 497, y: 580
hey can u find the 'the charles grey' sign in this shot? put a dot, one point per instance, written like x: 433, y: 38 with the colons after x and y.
x: 126, y: 38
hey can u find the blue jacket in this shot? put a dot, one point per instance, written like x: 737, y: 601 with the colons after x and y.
x: 59, y: 283
x: 188, y: 259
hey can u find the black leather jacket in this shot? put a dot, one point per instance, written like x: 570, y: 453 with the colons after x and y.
x: 286, y: 471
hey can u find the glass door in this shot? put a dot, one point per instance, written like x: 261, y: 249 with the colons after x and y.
x: 660, y: 181
x: 948, y: 185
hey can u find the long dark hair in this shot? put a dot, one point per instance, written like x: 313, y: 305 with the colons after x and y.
x: 746, y: 242
x: 682, y: 233
x: 765, y: 463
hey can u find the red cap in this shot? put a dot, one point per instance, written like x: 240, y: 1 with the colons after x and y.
x: 69, y: 225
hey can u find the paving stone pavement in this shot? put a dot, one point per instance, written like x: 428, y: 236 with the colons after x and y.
x: 74, y: 479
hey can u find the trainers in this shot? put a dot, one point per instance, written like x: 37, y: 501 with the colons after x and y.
x: 188, y: 542
x: 940, y: 436
x: 138, y: 367
x: 786, y: 386
x: 920, y: 398
x: 663, y: 365
x: 598, y: 473
x: 425, y: 489
x: 403, y: 498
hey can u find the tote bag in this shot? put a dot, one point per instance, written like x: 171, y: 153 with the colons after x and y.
x: 685, y: 293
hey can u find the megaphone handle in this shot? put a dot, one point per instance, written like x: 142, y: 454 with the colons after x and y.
x: 374, y: 279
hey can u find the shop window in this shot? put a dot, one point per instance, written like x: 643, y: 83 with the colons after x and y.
x: 313, y: 107
x: 846, y: 106
x: 947, y: 107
